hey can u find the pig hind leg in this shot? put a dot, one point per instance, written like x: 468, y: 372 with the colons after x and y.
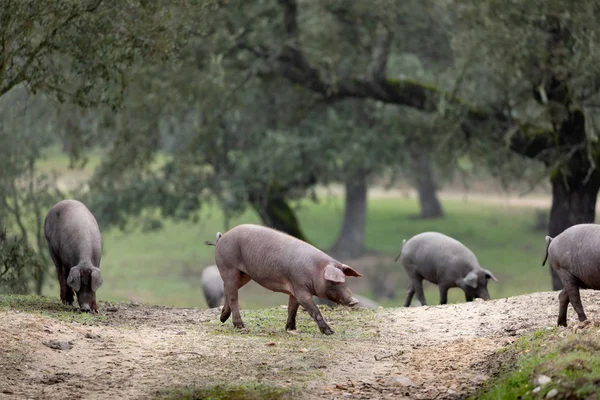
x: 292, y: 311
x: 409, y: 295
x: 570, y: 284
x: 233, y: 280
x: 563, y: 303
x: 66, y: 292
x: 417, y: 284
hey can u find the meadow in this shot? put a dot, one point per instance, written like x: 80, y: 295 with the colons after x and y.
x: 164, y: 267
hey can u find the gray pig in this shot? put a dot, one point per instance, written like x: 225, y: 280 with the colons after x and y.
x: 212, y: 286
x: 75, y: 245
x: 575, y: 257
x: 281, y: 263
x: 444, y: 261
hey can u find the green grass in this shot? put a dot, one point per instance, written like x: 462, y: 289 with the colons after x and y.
x: 243, y: 391
x: 49, y: 306
x: 271, y: 323
x: 572, y: 362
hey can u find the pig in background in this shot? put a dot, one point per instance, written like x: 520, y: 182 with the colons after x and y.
x: 575, y: 257
x: 281, y: 263
x: 445, y: 262
x: 75, y: 246
x: 212, y: 286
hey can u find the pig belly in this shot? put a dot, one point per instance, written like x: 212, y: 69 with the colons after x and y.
x: 281, y: 285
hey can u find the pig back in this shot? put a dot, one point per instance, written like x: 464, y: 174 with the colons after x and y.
x: 265, y: 253
x: 73, y: 234
x: 433, y: 253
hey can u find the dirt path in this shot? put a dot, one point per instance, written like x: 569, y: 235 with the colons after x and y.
x: 419, y: 353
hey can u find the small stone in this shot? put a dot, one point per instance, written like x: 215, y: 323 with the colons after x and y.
x: 283, y: 306
x: 271, y: 344
x: 181, y: 333
x: 303, y: 350
x: 58, y: 345
x: 537, y: 389
x: 90, y: 335
x: 552, y: 393
x: 112, y: 309
x: 541, y: 380
x: 399, y: 381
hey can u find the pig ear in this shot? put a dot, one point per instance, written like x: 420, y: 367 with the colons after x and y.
x: 489, y: 275
x: 349, y: 271
x: 96, y: 279
x: 74, y: 279
x: 471, y: 279
x: 334, y: 274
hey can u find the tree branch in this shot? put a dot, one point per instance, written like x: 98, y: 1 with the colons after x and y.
x: 296, y: 68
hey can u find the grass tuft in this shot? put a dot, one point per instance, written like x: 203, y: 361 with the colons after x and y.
x: 572, y: 362
x: 48, y: 306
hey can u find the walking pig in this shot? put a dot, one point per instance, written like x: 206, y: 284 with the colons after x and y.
x: 444, y: 261
x: 281, y: 263
x: 575, y: 257
x: 75, y: 244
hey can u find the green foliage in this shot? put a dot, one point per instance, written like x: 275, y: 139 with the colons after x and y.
x: 19, y: 264
x: 572, y: 362
x: 80, y: 50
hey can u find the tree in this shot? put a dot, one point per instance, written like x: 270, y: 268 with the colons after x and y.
x: 560, y: 75
x: 74, y: 51
x: 551, y: 90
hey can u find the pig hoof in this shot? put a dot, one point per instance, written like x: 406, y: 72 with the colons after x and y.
x: 239, y: 325
x: 327, y: 331
x: 290, y: 327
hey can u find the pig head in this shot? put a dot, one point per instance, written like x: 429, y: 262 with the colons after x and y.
x: 85, y: 281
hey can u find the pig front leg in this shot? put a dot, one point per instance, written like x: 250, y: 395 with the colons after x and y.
x: 307, y: 302
x: 292, y: 311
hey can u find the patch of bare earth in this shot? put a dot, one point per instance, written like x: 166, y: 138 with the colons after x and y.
x: 432, y: 352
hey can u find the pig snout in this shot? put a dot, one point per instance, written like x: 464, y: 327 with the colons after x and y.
x: 85, y: 308
x: 353, y: 301
x: 484, y: 295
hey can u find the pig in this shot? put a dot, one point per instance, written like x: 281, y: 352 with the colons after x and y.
x: 444, y: 261
x: 281, y: 263
x: 575, y: 257
x: 75, y: 245
x: 212, y: 286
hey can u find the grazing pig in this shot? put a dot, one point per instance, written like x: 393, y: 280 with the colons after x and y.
x: 212, y: 286
x: 75, y: 244
x: 444, y: 261
x: 575, y: 257
x: 281, y: 263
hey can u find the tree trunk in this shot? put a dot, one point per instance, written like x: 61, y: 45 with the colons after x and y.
x: 425, y: 184
x: 351, y: 240
x: 275, y: 212
x: 573, y: 202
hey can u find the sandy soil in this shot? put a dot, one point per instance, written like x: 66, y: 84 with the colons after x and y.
x: 432, y: 352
